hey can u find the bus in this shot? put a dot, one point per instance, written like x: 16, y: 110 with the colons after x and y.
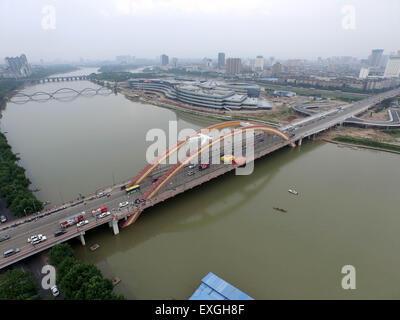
x: 132, y: 189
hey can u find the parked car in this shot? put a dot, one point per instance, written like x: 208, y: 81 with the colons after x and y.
x: 4, y: 238
x: 59, y: 232
x: 100, y: 194
x: 104, y: 214
x: 191, y: 166
x: 54, y: 291
x: 190, y: 173
x: 123, y: 204
x: 10, y: 252
x: 82, y: 223
x: 3, y: 219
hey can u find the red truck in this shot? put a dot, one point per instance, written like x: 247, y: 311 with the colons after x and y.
x: 204, y: 166
x: 71, y: 221
x: 99, y: 210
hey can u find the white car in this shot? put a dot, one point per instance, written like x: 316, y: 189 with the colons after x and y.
x: 54, y: 290
x: 104, y: 214
x: 123, y: 204
x: 34, y: 237
x: 82, y: 223
x: 39, y: 240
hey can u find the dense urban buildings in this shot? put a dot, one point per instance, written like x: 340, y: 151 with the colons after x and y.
x: 233, y: 65
x: 17, y: 67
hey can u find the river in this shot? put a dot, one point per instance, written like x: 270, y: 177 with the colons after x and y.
x: 347, y: 212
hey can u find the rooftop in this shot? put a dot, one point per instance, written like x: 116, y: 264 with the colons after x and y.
x: 214, y: 288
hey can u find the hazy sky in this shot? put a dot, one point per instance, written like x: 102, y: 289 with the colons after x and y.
x: 103, y: 29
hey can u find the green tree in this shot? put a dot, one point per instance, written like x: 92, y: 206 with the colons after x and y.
x: 18, y: 285
x: 59, y: 253
x: 64, y: 267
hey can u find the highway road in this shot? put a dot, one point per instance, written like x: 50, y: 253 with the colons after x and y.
x: 47, y: 225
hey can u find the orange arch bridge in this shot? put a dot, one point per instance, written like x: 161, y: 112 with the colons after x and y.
x: 242, y: 127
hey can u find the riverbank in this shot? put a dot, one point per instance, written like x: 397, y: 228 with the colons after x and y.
x: 364, y: 143
x: 14, y: 183
x: 235, y: 115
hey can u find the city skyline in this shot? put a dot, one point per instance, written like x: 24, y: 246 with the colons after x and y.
x: 184, y: 29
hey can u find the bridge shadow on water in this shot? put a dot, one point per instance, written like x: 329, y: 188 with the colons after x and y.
x: 241, y: 190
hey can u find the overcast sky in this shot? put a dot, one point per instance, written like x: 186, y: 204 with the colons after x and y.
x: 103, y: 29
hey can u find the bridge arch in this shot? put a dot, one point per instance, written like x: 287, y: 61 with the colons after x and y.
x: 152, y: 166
x: 174, y: 170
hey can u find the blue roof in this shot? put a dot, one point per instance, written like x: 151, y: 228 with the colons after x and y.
x: 214, y: 288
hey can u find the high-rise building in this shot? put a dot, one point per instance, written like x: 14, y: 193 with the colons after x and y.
x: 233, y: 65
x: 164, y: 60
x: 221, y: 60
x: 259, y: 64
x: 277, y: 68
x: 174, y: 62
x: 375, y: 58
x: 393, y: 67
x: 18, y: 66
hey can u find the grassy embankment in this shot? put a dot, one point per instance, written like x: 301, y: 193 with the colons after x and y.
x: 368, y: 143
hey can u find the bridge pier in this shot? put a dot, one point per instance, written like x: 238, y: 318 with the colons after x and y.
x: 299, y: 142
x: 81, y: 236
x: 114, y: 224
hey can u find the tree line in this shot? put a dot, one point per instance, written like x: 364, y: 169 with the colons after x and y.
x: 78, y: 280
x: 14, y: 184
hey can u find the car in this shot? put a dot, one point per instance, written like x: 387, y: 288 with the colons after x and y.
x: 104, y: 214
x: 3, y: 219
x: 54, y: 291
x: 82, y: 223
x: 59, y: 232
x: 39, y: 240
x: 34, y: 237
x: 191, y: 166
x: 10, y: 252
x: 123, y: 204
x: 100, y: 194
x: 190, y: 173
x: 4, y: 238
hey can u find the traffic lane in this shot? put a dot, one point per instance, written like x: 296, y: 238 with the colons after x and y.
x: 48, y: 243
x: 66, y: 213
x: 19, y: 237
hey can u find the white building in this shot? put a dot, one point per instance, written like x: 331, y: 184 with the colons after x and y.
x: 259, y: 64
x: 364, y: 72
x: 393, y: 67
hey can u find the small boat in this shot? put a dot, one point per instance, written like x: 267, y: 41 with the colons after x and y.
x: 94, y: 247
x: 292, y: 191
x: 280, y: 209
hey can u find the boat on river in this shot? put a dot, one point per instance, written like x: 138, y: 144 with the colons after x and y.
x: 280, y: 209
x: 292, y: 191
